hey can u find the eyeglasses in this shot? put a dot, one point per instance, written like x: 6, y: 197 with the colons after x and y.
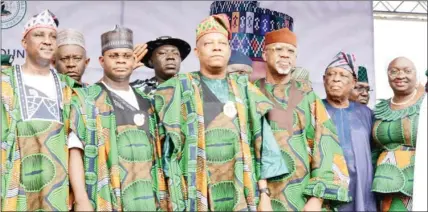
x: 361, y: 89
x: 281, y: 50
x: 394, y: 71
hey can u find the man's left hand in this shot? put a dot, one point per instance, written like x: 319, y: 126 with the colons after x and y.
x: 140, y: 51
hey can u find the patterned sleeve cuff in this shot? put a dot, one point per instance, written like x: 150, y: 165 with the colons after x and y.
x: 327, y: 191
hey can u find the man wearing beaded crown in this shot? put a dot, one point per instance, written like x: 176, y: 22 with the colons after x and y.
x: 354, y: 125
x: 114, y: 131
x: 218, y: 147
x: 304, y: 131
x: 35, y: 106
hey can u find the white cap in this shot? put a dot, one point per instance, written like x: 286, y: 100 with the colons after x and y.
x: 41, y: 20
x: 70, y: 37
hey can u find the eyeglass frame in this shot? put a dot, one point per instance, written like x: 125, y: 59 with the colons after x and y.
x: 404, y: 71
x: 283, y: 49
x: 359, y: 89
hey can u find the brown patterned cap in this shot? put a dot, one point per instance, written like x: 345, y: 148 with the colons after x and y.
x: 120, y: 37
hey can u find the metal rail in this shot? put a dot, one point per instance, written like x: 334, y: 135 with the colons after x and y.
x: 401, y: 10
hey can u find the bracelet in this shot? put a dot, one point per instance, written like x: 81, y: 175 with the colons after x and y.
x: 265, y: 190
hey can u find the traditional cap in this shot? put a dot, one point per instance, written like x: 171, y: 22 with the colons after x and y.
x: 300, y: 73
x: 54, y: 18
x: 6, y: 59
x: 239, y: 58
x: 283, y: 35
x: 362, y: 74
x: 345, y: 61
x: 181, y: 45
x: 249, y: 23
x: 215, y: 23
x: 70, y: 37
x: 118, y: 38
x: 44, y: 19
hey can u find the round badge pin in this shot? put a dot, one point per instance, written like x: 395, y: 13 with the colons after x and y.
x: 229, y: 109
x: 139, y: 119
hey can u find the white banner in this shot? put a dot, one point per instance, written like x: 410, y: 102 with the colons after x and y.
x: 323, y: 29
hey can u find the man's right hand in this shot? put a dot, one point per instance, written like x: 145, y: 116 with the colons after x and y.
x: 140, y: 51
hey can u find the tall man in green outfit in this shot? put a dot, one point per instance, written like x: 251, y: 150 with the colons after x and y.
x: 115, y: 127
x: 35, y: 107
x: 304, y: 131
x: 219, y: 149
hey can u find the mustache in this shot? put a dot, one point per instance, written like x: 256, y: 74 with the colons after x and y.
x: 46, y: 48
x: 283, y: 61
x: 404, y: 79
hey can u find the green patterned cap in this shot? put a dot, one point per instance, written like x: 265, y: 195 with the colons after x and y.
x: 214, y: 23
x: 362, y: 74
x: 6, y: 59
x: 426, y: 73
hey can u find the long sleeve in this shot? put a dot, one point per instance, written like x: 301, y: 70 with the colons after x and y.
x: 77, y: 123
x: 329, y: 172
x: 272, y: 162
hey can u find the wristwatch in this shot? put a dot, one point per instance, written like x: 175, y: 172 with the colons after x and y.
x: 265, y: 190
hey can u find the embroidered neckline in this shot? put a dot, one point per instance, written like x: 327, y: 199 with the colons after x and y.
x: 384, y: 112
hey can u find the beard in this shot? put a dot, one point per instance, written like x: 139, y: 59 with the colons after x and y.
x: 283, y: 70
x: 283, y: 67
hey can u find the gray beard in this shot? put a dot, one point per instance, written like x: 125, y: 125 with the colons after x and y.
x: 284, y: 71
